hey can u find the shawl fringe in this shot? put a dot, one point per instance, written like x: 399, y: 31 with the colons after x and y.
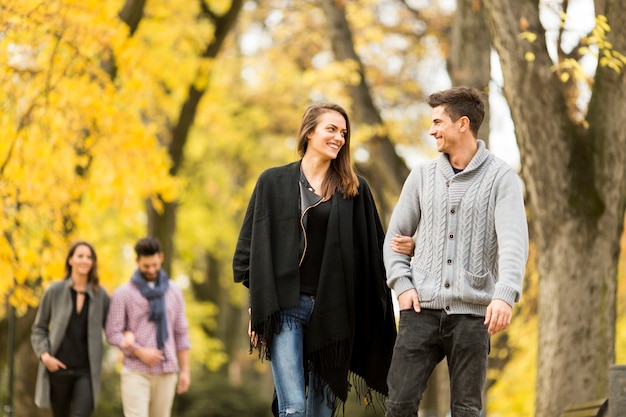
x: 265, y: 330
x: 372, y: 399
x: 336, y: 356
x: 364, y: 395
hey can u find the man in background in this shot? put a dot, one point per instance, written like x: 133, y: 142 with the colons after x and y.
x: 147, y: 322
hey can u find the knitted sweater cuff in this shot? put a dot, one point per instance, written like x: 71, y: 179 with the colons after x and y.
x: 506, y: 294
x: 401, y: 285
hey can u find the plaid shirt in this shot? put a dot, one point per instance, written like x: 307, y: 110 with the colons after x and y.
x: 129, y: 310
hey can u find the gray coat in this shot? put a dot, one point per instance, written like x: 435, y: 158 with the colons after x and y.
x: 49, y: 328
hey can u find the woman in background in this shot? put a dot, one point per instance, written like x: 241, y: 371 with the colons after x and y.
x: 67, y: 337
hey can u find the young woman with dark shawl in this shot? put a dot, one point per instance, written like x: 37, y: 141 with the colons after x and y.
x: 310, y: 252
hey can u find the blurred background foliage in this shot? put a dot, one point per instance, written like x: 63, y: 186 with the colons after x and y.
x: 123, y: 118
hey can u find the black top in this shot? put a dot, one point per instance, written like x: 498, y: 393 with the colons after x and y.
x: 73, y: 351
x: 317, y: 223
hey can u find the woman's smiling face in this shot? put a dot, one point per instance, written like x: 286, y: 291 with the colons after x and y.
x: 329, y: 135
x: 82, y: 260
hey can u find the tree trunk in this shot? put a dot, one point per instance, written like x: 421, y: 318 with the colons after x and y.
x: 24, y: 367
x: 469, y: 62
x: 131, y: 14
x: 230, y: 317
x: 576, y: 180
x: 384, y: 165
x: 25, y: 377
x: 162, y: 223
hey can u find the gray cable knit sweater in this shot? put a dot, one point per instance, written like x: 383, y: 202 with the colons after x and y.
x: 472, y: 235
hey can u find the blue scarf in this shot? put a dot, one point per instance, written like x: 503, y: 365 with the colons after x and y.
x: 158, y: 312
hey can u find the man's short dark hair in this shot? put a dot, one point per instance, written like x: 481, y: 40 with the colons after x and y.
x: 147, y: 246
x: 461, y: 101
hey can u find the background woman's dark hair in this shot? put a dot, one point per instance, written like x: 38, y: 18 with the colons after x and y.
x: 92, y: 276
x: 340, y: 176
x: 461, y: 101
x: 147, y: 246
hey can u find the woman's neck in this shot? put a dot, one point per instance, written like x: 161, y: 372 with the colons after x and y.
x: 79, y: 281
x: 314, y: 168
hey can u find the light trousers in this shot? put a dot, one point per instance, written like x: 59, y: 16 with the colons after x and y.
x: 148, y: 395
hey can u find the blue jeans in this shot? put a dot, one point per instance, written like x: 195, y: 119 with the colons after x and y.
x: 288, y: 366
x: 423, y: 340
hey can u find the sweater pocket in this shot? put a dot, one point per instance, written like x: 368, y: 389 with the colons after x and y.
x: 477, y: 288
x: 426, y: 284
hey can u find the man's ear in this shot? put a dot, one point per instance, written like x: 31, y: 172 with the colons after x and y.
x: 161, y: 256
x: 464, y: 123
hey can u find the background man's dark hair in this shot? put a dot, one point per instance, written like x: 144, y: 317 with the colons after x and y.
x: 147, y: 246
x: 461, y: 101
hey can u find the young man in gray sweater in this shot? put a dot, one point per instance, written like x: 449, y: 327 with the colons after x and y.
x: 466, y: 212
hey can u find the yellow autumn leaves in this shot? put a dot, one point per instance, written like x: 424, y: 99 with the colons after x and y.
x: 75, y: 145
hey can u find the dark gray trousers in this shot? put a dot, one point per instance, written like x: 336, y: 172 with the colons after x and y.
x: 424, y: 339
x: 70, y: 393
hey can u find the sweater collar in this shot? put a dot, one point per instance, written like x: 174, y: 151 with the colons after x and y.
x: 481, y: 155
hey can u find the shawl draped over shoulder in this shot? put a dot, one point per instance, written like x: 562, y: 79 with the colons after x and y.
x: 351, y: 334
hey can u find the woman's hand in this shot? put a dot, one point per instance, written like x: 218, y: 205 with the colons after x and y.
x: 403, y: 244
x: 128, y: 341
x: 254, y: 338
x: 51, y: 363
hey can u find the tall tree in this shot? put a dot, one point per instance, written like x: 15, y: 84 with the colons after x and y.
x: 162, y: 218
x: 469, y: 59
x: 384, y: 166
x: 574, y: 167
x: 64, y: 127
